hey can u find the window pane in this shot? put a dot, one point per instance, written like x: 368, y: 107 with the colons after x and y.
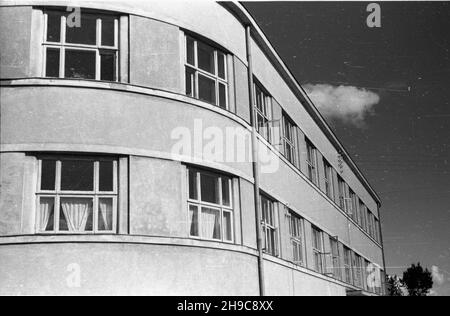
x: 227, y: 229
x: 105, y: 214
x: 190, y: 55
x: 106, y: 175
x: 48, y: 175
x: 222, y: 96
x: 190, y: 82
x: 211, y: 223
x: 206, y: 89
x: 77, y: 175
x: 46, y: 211
x: 193, y: 220
x: 85, y: 34
x: 108, y: 31
x: 53, y: 27
x: 205, y: 57
x: 76, y: 215
x: 52, y: 63
x: 108, y: 66
x: 221, y: 65
x: 226, y: 194
x: 193, y: 194
x: 209, y: 189
x: 80, y: 64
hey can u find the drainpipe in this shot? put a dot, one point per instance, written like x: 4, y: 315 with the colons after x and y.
x: 382, y: 249
x: 255, y: 164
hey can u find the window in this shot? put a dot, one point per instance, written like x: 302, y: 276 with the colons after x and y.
x: 269, y: 226
x: 317, y: 249
x: 297, y: 237
x: 335, y: 258
x: 288, y: 138
x: 206, y: 73
x: 263, y: 111
x: 357, y: 270
x: 86, y: 52
x: 347, y: 265
x: 367, y: 275
x: 328, y: 172
x: 77, y: 195
x: 210, y: 210
x: 341, y: 187
x: 363, y: 211
x: 311, y: 161
x: 377, y: 230
x: 370, y: 224
x: 353, y: 200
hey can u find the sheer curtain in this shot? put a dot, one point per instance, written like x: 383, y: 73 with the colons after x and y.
x: 105, y: 210
x: 210, y: 223
x: 76, y: 212
x: 47, y: 205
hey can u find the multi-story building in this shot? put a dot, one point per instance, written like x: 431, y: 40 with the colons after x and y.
x: 164, y: 149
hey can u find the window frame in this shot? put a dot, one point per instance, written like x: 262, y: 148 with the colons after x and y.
x: 297, y: 237
x: 64, y: 46
x: 335, y: 258
x: 318, y: 250
x: 348, y: 270
x: 198, y: 71
x: 265, y: 113
x: 289, y: 142
x: 269, y: 227
x: 222, y: 208
x: 328, y: 178
x: 95, y: 194
x: 311, y: 162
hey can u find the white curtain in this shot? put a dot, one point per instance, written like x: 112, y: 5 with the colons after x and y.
x: 46, y: 211
x: 76, y: 212
x: 210, y: 223
x: 193, y: 220
x: 105, y: 208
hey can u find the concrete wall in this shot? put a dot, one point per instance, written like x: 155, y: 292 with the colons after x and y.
x: 15, y: 39
x: 155, y: 50
x: 124, y: 268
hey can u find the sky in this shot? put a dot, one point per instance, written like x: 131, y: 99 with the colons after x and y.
x: 386, y: 93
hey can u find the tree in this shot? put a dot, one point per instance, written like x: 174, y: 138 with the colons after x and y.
x: 417, y: 280
x: 395, y: 286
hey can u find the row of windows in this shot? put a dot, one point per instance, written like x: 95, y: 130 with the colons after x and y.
x: 79, y: 195
x: 348, y: 200
x: 353, y: 269
x: 91, y: 52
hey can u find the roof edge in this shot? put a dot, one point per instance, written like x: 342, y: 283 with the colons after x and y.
x: 245, y: 17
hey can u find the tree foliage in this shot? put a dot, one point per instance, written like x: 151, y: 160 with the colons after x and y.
x: 417, y: 280
x: 395, y: 286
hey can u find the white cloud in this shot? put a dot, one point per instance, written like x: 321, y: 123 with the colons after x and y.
x: 348, y: 104
x: 438, y: 278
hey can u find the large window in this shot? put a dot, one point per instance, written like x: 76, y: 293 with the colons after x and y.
x: 311, y: 161
x: 328, y: 172
x: 263, y: 109
x: 317, y: 247
x: 210, y: 206
x: 288, y: 138
x: 77, y: 195
x: 335, y: 258
x: 297, y: 237
x: 87, y: 51
x: 269, y: 226
x: 206, y: 73
x: 347, y: 265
